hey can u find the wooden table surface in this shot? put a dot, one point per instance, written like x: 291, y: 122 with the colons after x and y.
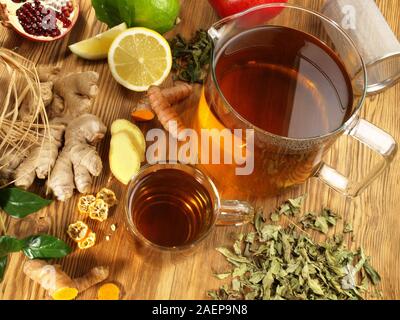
x: 375, y: 214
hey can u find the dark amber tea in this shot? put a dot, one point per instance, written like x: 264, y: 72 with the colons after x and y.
x: 170, y: 208
x: 285, y: 81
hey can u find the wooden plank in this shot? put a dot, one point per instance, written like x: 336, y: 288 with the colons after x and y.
x: 374, y: 215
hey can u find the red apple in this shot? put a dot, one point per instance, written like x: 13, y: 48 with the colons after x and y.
x: 226, y: 8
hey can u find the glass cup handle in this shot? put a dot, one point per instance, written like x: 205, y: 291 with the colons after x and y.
x: 374, y: 138
x: 235, y: 213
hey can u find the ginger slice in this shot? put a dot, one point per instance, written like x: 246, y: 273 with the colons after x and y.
x: 84, y: 203
x: 98, y: 210
x: 108, y: 291
x: 108, y: 196
x: 78, y: 231
x: 88, y: 242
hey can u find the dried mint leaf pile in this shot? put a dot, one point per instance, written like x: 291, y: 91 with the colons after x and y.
x: 276, y: 263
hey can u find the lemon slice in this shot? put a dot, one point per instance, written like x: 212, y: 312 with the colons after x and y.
x: 139, y: 58
x: 97, y: 47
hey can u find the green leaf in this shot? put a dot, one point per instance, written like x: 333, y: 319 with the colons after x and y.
x: 236, y: 284
x: 3, y: 266
x: 19, y: 203
x: 372, y: 274
x: 315, y: 287
x: 222, y: 276
x: 45, y: 247
x: 9, y: 245
x: 240, y: 271
x: 348, y: 228
x: 270, y: 232
x: 321, y: 224
x: 227, y: 253
x: 275, y: 217
x: 267, y: 284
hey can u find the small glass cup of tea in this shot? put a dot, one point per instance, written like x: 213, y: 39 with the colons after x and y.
x: 172, y: 208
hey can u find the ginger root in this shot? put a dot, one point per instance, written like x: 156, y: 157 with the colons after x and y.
x: 78, y: 161
x: 71, y: 98
x: 143, y: 110
x: 58, y: 284
x: 74, y: 93
x: 164, y: 111
x: 42, y: 158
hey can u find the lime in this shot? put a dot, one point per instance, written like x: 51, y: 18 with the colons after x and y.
x: 158, y: 15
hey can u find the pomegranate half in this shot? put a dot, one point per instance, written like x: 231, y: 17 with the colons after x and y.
x: 40, y: 20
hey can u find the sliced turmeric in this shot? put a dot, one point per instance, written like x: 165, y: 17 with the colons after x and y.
x: 143, y: 113
x: 143, y: 110
x: 108, y: 291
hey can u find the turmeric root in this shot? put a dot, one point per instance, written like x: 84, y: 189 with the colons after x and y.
x: 143, y: 110
x: 78, y: 161
x: 164, y: 111
x: 57, y: 283
x: 93, y: 277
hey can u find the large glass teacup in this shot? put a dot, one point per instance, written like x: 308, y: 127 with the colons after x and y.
x: 281, y: 162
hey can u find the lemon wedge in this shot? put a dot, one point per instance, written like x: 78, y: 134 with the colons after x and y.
x: 139, y: 58
x: 97, y: 48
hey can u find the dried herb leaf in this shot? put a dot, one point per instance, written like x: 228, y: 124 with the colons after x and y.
x: 348, y: 228
x: 190, y: 58
x: 322, y: 222
x: 372, y: 274
x: 223, y: 276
